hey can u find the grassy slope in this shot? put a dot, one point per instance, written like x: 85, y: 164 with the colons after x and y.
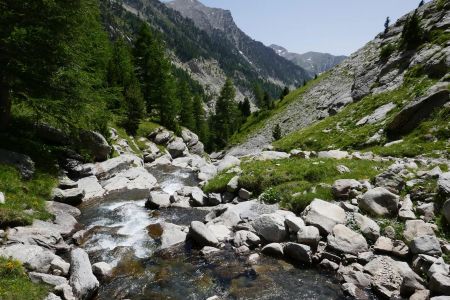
x: 295, y: 182
x: 257, y: 120
x: 340, y: 131
x: 15, y: 284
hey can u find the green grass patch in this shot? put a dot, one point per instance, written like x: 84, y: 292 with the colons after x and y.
x: 219, y: 183
x: 25, y: 200
x: 15, y: 284
x: 146, y: 127
x: 341, y: 132
x: 295, y: 182
x: 258, y: 120
x: 399, y: 227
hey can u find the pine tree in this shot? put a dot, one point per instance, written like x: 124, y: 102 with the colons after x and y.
x: 129, y: 104
x: 421, y: 3
x: 53, y: 57
x: 276, y: 132
x: 245, y: 108
x: 259, y: 95
x: 386, y: 25
x: 267, y: 100
x: 284, y: 93
x: 199, y: 117
x: 167, y: 101
x: 134, y: 107
x: 223, y: 120
x: 412, y: 34
x: 187, y: 109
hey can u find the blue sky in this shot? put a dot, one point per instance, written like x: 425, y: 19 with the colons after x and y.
x: 337, y: 27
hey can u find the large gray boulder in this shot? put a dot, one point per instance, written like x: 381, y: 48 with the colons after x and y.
x: 369, y: 228
x: 246, y: 238
x: 44, y: 236
x: 427, y: 244
x: 271, y: 155
x: 133, y: 184
x: 379, y: 202
x: 342, y: 188
x: 323, y: 215
x: 177, y: 148
x: 82, y: 279
x: 22, y: 162
x: 228, y: 162
x: 56, y: 208
x: 91, y: 187
x: 202, y: 235
x: 111, y: 167
x: 271, y: 227
x: 96, y: 144
x: 418, y: 110
x: 417, y: 228
x: 273, y: 249
x: 308, y: 235
x: 72, y: 196
x: 33, y: 257
x: 446, y: 210
x: 440, y: 283
x: 335, y: 154
x: 158, y: 200
x: 298, y: 252
x: 294, y: 223
x: 444, y: 184
x: 345, y: 240
x: 48, y: 279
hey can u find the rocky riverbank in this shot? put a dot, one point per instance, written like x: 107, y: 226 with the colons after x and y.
x: 347, y: 236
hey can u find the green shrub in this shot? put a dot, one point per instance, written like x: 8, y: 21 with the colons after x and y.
x: 387, y: 51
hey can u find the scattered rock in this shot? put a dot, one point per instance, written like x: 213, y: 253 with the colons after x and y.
x: 427, y: 244
x: 271, y: 227
x: 59, y: 266
x: 244, y: 194
x: 344, y: 240
x: 158, y: 200
x: 342, y: 169
x: 298, y: 252
x: 228, y: 162
x: 379, y: 202
x: 33, y: 257
x: 343, y: 187
x: 328, y: 265
x: 82, y: 280
x: 336, y: 154
x: 308, y: 235
x: 406, y: 210
x: 440, y: 283
x: 202, y: 235
x: 294, y: 223
x: 271, y: 155
x: 72, y: 197
x: 177, y: 148
x: 416, y: 228
x: 444, y: 184
x: 369, y: 228
x: 51, y: 280
x: 246, y: 238
x: 96, y: 144
x: 273, y: 249
x: 214, y: 199
x: 207, y: 251
x: 233, y: 185
x: 91, y: 187
x: 102, y: 270
x: 323, y: 215
x: 378, y: 115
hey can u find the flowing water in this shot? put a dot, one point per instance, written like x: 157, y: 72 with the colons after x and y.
x: 117, y: 234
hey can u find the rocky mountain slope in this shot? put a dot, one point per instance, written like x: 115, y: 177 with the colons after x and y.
x: 379, y: 68
x: 313, y: 62
x: 212, y: 49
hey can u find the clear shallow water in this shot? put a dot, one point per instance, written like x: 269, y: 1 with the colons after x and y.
x: 117, y: 234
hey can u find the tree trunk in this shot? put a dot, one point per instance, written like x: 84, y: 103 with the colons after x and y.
x: 5, y: 106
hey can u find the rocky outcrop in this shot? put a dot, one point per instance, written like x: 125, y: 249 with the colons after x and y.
x: 418, y: 110
x: 22, y: 162
x: 344, y: 240
x: 96, y: 144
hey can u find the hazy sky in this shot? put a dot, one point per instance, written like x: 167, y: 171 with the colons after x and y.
x: 337, y: 27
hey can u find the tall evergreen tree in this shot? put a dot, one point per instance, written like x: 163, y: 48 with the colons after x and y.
x: 121, y: 76
x: 199, y: 117
x: 187, y: 106
x: 167, y: 101
x: 267, y: 100
x: 284, y: 93
x: 421, y: 3
x: 259, y: 95
x: 53, y: 57
x: 223, y: 119
x: 386, y: 25
x: 413, y: 33
x: 245, y: 107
